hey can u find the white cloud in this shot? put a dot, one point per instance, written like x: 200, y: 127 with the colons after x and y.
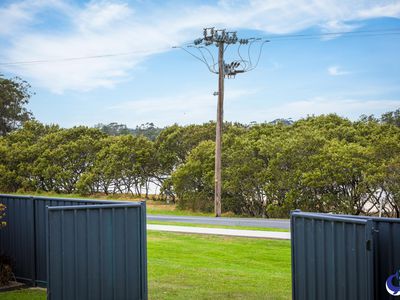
x: 337, y: 71
x: 19, y: 14
x: 102, y: 16
x: 392, y: 9
x: 97, y: 29
x: 101, y: 27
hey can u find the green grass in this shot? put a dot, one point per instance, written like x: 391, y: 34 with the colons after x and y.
x: 25, y: 294
x: 159, y: 210
x: 185, y: 266
x: 218, y: 226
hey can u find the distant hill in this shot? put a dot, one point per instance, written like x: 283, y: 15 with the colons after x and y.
x: 148, y: 130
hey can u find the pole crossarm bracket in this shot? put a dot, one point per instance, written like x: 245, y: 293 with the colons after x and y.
x: 240, y: 64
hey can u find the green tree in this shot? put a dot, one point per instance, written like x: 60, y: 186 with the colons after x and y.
x: 193, y: 180
x: 172, y: 147
x: 113, y: 128
x: 14, y: 96
x: 64, y: 156
x: 244, y: 172
x: 392, y: 117
x: 18, y: 153
x: 393, y: 184
x: 383, y: 176
x: 148, y: 130
x: 337, y: 177
x: 124, y: 164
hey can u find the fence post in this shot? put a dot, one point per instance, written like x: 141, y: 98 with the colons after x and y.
x: 34, y: 260
x: 143, y: 249
x: 47, y: 253
x: 292, y: 252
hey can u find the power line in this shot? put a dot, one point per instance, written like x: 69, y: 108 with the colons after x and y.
x: 315, y: 37
x: 66, y: 59
x: 337, y: 33
x: 272, y: 38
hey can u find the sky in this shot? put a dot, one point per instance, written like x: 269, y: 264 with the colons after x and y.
x: 150, y: 81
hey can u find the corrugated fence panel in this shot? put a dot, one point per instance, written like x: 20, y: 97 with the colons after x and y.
x: 386, y: 251
x: 97, y: 252
x: 24, y: 240
x: 387, y: 257
x: 17, y: 238
x: 331, y: 258
x: 41, y: 204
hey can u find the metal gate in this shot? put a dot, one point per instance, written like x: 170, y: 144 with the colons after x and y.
x: 343, y: 256
x: 96, y: 237
x: 96, y: 252
x: 331, y: 257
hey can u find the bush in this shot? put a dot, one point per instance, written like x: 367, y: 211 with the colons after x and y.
x: 5, y: 261
x: 6, y: 274
x: 196, y: 201
x: 2, y: 215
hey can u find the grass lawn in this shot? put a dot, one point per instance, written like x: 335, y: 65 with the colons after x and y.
x: 26, y: 294
x: 217, y: 226
x: 157, y: 208
x: 185, y: 266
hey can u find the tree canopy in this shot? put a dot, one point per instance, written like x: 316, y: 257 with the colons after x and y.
x: 325, y: 163
x: 14, y: 96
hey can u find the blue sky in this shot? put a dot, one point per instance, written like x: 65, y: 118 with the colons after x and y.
x: 295, y: 78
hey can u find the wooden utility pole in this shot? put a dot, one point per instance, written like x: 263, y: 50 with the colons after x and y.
x: 218, y: 134
x: 222, y: 39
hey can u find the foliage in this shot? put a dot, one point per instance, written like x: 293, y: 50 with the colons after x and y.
x: 148, y: 130
x: 113, y: 128
x: 2, y: 215
x: 325, y: 164
x: 63, y: 157
x: 193, y: 180
x: 5, y: 269
x: 172, y: 146
x: 14, y: 96
x: 124, y: 164
x: 18, y: 153
x: 392, y: 117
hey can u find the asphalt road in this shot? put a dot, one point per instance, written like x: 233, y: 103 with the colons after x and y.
x: 252, y: 222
